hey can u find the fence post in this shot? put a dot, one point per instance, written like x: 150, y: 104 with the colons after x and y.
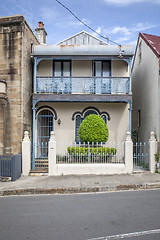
x: 52, y: 155
x: 153, y: 150
x: 129, y: 153
x: 26, y: 154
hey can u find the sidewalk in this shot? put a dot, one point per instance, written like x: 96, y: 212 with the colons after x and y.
x: 77, y: 184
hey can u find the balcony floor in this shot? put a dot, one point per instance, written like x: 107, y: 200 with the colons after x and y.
x: 82, y: 97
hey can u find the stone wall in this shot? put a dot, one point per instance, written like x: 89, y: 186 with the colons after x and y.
x: 16, y: 68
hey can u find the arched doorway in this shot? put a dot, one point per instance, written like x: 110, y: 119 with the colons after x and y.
x: 45, y: 124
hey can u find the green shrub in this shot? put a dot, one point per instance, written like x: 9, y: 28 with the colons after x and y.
x: 156, y: 157
x: 93, y: 129
x: 93, y: 150
x: 157, y: 162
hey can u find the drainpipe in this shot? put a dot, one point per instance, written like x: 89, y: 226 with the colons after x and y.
x: 130, y: 80
x: 33, y: 141
x: 130, y: 116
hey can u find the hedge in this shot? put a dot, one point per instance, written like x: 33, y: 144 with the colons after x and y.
x: 92, y: 150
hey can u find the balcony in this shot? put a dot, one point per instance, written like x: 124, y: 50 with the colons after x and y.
x: 82, y: 85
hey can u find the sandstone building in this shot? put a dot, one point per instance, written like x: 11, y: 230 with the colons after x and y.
x: 16, y: 39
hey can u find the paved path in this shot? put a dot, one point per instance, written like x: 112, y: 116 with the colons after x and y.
x: 73, y: 184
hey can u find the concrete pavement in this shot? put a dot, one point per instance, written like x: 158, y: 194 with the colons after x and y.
x: 77, y: 184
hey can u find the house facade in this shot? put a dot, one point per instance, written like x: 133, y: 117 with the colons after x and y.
x: 79, y: 76
x: 146, y: 88
x: 16, y: 38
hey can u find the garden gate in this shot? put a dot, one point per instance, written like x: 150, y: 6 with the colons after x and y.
x: 141, y: 155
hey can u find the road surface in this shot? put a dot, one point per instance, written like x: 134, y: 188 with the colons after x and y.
x: 100, y: 216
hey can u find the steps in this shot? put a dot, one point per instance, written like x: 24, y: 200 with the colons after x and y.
x: 41, y: 168
x: 41, y: 163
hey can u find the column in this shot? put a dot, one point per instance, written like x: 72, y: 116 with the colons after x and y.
x: 26, y: 154
x: 129, y: 153
x: 153, y: 151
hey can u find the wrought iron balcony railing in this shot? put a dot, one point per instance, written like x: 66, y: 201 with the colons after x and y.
x: 82, y: 85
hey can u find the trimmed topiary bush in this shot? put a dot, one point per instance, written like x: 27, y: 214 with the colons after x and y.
x: 93, y: 129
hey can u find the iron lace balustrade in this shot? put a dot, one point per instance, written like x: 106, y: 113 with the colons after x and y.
x: 82, y: 85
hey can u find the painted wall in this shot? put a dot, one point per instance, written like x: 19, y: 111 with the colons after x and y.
x: 65, y: 132
x: 120, y: 68
x: 83, y: 68
x: 45, y: 68
x: 145, y: 84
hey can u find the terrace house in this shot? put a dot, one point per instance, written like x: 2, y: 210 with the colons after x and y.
x: 146, y: 87
x: 79, y: 76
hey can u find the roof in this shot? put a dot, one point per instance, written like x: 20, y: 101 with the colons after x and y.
x: 82, y: 50
x: 152, y: 41
x: 82, y: 38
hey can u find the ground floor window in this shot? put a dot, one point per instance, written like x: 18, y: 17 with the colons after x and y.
x: 80, y: 116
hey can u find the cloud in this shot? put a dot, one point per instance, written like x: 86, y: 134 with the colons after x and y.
x: 128, y: 2
x: 70, y: 21
x: 127, y: 35
x: 49, y: 14
x: 98, y: 30
x: 124, y: 30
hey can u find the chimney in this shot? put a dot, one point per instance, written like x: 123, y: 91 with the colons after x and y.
x: 41, y: 33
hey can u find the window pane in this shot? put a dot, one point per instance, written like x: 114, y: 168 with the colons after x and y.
x: 66, y: 69
x: 104, y: 118
x: 78, y: 122
x: 89, y: 112
x: 106, y: 69
x: 57, y: 69
x: 98, y: 69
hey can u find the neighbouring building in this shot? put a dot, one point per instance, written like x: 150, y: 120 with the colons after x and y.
x: 16, y: 38
x: 79, y: 76
x: 146, y: 87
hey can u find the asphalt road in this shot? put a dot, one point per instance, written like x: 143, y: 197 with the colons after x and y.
x: 81, y: 216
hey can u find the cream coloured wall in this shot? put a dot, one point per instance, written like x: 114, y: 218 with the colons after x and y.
x: 120, y: 68
x: 44, y: 68
x: 65, y: 132
x: 81, y: 68
x: 145, y: 86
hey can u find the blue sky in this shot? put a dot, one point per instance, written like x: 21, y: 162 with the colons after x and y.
x: 119, y: 20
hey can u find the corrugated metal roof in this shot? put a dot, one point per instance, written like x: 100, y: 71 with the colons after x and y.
x: 82, y: 50
x: 153, y: 41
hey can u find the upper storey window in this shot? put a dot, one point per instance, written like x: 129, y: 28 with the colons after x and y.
x: 62, y: 68
x: 102, y: 68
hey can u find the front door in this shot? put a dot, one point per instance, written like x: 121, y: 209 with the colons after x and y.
x: 45, y: 122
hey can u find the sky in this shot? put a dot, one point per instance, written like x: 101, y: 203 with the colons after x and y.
x: 119, y: 20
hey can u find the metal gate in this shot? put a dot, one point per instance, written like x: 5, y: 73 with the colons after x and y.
x: 45, y: 124
x: 141, y: 155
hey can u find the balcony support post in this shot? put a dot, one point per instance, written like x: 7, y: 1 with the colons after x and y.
x: 130, y: 80
x: 35, y: 74
x: 33, y: 133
